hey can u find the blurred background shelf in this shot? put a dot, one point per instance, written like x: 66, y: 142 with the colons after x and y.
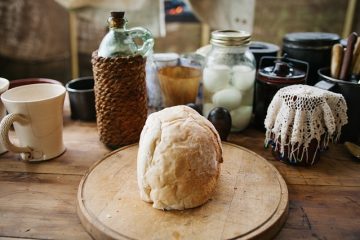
x: 34, y: 37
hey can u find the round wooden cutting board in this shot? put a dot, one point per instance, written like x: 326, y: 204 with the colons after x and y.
x: 251, y: 201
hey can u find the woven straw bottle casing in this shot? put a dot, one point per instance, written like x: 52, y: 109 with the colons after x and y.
x: 120, y: 86
x: 120, y: 98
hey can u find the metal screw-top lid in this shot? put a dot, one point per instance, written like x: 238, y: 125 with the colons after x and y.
x: 230, y: 38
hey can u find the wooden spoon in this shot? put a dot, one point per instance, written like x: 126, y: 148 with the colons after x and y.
x: 353, y: 149
x: 336, y: 60
x: 356, y: 58
x: 347, y: 59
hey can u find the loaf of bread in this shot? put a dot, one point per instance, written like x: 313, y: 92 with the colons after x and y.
x: 178, y: 162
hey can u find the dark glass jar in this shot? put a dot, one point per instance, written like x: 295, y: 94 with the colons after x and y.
x: 275, y: 73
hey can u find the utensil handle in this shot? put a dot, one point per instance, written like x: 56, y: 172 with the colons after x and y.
x: 356, y: 59
x: 5, y: 126
x: 336, y: 60
x: 346, y: 63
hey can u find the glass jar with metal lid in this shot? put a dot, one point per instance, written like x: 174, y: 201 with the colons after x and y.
x: 229, y: 76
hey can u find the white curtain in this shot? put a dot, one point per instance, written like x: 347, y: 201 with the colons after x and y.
x: 145, y: 13
x: 225, y: 14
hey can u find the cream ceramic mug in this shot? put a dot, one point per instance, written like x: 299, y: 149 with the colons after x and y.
x: 36, y: 111
x: 4, y: 85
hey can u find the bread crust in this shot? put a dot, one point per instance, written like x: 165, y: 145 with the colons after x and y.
x: 178, y: 163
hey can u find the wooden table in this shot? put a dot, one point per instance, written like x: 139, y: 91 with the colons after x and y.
x: 38, y: 200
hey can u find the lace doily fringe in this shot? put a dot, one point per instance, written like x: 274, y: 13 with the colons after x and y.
x: 301, y: 116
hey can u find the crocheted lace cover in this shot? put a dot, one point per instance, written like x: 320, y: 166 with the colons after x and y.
x: 300, y: 113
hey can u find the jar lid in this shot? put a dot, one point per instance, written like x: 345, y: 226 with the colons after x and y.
x: 230, y: 38
x: 282, y: 71
x: 312, y: 40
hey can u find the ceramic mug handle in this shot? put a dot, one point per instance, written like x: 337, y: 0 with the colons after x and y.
x: 5, y: 126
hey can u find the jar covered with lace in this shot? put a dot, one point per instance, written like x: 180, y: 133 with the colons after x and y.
x: 229, y: 76
x: 300, y: 122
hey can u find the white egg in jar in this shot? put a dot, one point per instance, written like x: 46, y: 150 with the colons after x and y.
x: 248, y: 97
x: 241, y: 118
x: 216, y: 77
x: 229, y: 98
x: 243, y: 77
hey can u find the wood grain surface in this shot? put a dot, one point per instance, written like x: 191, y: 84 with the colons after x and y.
x: 38, y: 201
x: 250, y: 201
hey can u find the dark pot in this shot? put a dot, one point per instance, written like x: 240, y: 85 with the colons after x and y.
x: 351, y: 93
x: 311, y: 47
x: 262, y: 49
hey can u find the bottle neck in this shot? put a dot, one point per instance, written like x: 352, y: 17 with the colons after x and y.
x: 117, y: 23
